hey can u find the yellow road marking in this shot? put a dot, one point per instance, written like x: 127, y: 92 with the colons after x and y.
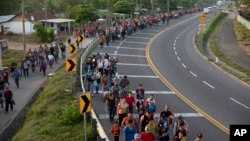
x: 179, y: 94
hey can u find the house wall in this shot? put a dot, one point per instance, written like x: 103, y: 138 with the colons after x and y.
x: 16, y: 26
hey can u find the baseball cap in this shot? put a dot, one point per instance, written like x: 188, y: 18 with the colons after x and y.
x: 136, y: 136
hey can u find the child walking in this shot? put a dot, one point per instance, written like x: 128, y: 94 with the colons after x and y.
x: 115, y: 131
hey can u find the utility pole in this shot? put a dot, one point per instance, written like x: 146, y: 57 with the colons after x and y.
x: 24, y: 38
x: 168, y: 6
x: 152, y: 7
x: 45, y: 14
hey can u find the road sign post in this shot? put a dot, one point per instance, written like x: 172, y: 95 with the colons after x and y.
x: 202, y: 25
x: 72, y: 48
x: 85, y: 106
x: 202, y: 18
x: 80, y: 39
x: 71, y: 67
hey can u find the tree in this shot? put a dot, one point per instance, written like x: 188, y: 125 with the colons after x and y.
x: 40, y: 32
x: 51, y: 34
x: 8, y: 7
x: 85, y: 13
x: 124, y: 6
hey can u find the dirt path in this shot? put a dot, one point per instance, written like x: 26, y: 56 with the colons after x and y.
x: 19, y: 45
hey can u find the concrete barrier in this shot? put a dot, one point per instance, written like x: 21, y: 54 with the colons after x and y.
x: 102, y: 133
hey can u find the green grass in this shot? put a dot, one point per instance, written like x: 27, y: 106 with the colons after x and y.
x: 212, y: 32
x: 54, y: 116
x: 11, y: 55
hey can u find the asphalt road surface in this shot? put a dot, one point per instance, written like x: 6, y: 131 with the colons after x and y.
x: 134, y: 63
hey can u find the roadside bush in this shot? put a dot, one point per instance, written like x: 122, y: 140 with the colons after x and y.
x: 211, y: 27
x: 70, y: 115
x: 51, y: 34
x: 41, y: 32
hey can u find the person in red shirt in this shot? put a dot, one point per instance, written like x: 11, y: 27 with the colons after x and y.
x: 8, y: 95
x: 5, y: 75
x: 115, y: 131
x: 147, y: 135
x: 131, y: 101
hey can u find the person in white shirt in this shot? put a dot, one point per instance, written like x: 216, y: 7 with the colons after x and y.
x: 50, y: 59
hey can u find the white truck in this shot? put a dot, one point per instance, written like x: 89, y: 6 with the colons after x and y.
x: 219, y: 3
x: 206, y: 10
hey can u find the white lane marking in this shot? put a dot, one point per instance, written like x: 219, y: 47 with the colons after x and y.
x: 153, y: 92
x: 174, y: 48
x: 154, y: 30
x: 146, y: 33
x: 129, y: 64
x: 175, y: 41
x: 121, y: 43
x: 158, y: 92
x: 184, y: 65
x: 122, y: 55
x: 177, y: 37
x: 135, y: 48
x: 193, y: 74
x: 139, y: 76
x: 179, y: 58
x: 239, y: 103
x: 135, y: 42
x: 116, y: 52
x: 157, y: 115
x: 139, y: 37
x: 208, y: 84
x: 175, y: 53
x: 174, y: 44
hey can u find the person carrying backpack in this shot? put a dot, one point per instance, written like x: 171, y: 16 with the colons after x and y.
x: 163, y: 128
x: 90, y: 78
x: 176, y: 124
x: 116, y: 90
x: 124, y: 82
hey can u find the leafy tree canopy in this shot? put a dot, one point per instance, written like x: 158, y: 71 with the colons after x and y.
x: 85, y: 13
x: 124, y: 6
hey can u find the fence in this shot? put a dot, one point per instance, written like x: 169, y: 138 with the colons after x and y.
x: 102, y: 134
x: 243, y: 21
x: 4, y: 44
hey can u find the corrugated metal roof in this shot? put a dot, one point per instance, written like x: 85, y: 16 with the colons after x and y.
x: 6, y: 18
x: 59, y: 20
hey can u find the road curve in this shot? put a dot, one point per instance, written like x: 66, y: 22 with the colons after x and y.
x: 219, y: 97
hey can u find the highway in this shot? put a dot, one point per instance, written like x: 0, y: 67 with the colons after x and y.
x: 175, y: 69
x: 215, y: 92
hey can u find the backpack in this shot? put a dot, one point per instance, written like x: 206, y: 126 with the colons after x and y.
x: 115, y: 91
x: 176, y: 126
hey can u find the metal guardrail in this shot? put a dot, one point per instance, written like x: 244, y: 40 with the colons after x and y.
x: 100, y: 129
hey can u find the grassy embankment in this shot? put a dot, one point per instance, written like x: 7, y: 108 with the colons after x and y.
x: 212, y: 32
x: 54, y: 116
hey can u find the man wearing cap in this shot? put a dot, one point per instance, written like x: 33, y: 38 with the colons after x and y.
x: 167, y: 114
x: 177, y: 124
x: 136, y: 137
x: 147, y: 135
